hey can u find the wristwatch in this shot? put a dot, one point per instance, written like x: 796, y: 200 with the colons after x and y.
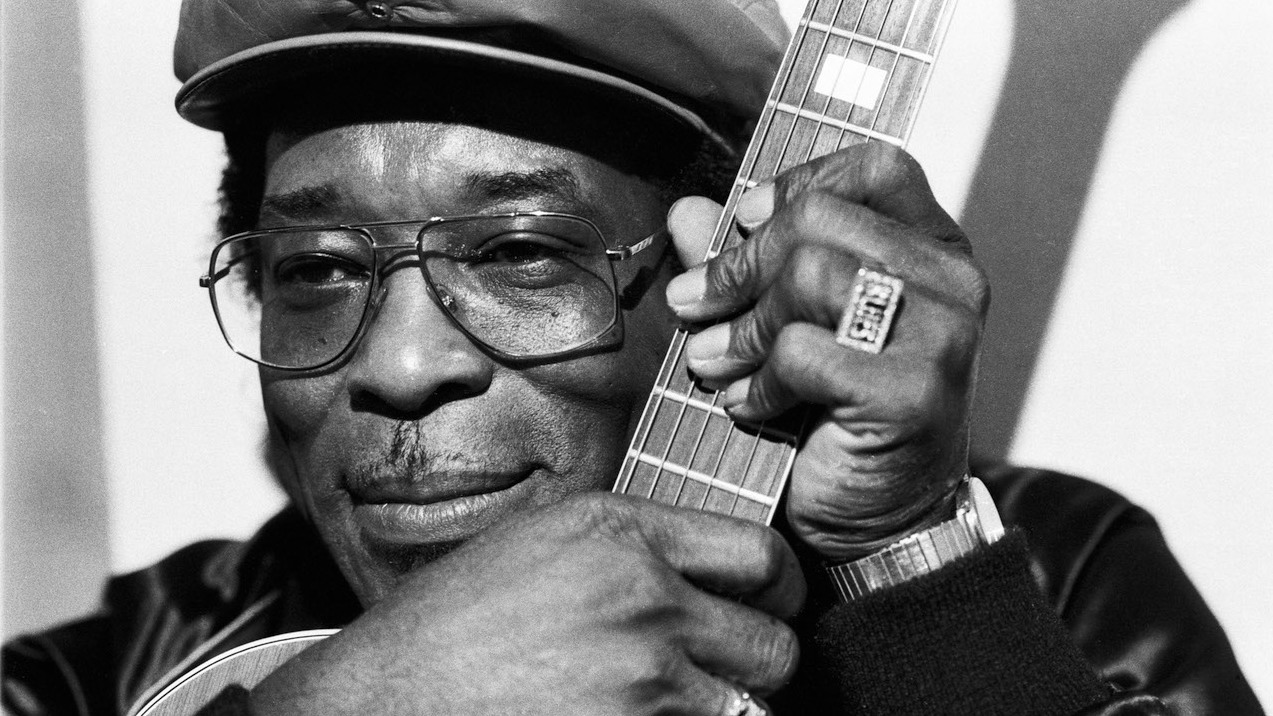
x: 976, y: 524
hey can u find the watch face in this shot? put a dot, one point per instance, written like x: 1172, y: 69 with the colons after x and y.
x: 983, y: 507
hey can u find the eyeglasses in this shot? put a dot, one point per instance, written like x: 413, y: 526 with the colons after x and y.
x: 523, y: 285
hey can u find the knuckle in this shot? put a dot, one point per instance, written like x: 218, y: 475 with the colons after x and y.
x: 809, y: 209
x: 973, y: 282
x: 777, y: 653
x: 770, y: 555
x: 600, y: 513
x: 747, y: 335
x: 886, y: 165
x: 958, y: 351
x: 727, y: 272
x: 790, y: 349
x: 655, y: 675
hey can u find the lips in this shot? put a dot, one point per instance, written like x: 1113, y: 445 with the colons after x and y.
x: 436, y: 508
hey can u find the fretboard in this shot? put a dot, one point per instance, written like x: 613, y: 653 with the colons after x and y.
x: 855, y: 71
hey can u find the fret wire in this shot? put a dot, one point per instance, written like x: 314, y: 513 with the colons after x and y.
x: 652, y: 406
x: 725, y: 235
x: 779, y: 482
x: 698, y: 440
x: 674, y: 396
x: 751, y: 459
x: 813, y: 71
x: 696, y: 476
x: 906, y: 31
x: 671, y: 440
x: 724, y: 225
x: 787, y: 72
x: 821, y: 117
x: 870, y: 57
x: 868, y: 40
x: 843, y: 126
x: 720, y: 456
x: 946, y: 12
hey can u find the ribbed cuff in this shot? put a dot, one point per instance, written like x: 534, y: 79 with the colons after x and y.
x: 975, y: 637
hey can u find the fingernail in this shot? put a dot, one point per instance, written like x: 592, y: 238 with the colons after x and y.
x: 707, y: 346
x: 736, y: 393
x: 716, y: 385
x: 755, y: 206
x: 686, y: 290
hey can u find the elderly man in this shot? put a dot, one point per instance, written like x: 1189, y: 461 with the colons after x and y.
x: 458, y: 250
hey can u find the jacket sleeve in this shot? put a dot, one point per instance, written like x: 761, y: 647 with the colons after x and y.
x: 1094, y: 618
x: 43, y: 678
x: 976, y: 637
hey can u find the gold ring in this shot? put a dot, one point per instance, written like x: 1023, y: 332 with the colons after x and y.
x: 866, y: 321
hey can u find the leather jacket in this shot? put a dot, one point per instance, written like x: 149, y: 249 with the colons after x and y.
x: 1107, y: 622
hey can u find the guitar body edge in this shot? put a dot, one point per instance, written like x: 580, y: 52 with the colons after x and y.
x: 245, y: 665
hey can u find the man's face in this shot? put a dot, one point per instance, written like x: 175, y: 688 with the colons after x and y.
x: 420, y: 439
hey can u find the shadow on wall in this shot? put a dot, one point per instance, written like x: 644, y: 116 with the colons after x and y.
x: 1068, y: 63
x: 57, y: 546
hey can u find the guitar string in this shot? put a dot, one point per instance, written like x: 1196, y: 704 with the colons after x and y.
x: 870, y: 58
x: 676, y: 350
x: 698, y: 441
x: 797, y: 51
x: 671, y: 440
x: 776, y: 479
x: 723, y: 236
x: 940, y: 24
x: 631, y: 462
x: 892, y: 73
x: 756, y: 441
x: 813, y: 138
x: 813, y: 72
x: 725, y: 226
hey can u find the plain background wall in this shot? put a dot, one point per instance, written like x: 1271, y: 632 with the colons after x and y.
x: 1110, y: 158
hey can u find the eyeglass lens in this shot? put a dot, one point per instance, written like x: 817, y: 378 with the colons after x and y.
x: 525, y: 285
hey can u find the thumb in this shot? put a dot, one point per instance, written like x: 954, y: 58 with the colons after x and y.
x: 692, y: 223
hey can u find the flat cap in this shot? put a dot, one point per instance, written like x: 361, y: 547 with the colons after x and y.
x: 706, y: 63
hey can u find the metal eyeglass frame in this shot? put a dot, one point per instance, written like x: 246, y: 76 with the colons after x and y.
x: 613, y: 330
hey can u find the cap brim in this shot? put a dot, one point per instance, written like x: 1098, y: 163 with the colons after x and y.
x: 214, y: 97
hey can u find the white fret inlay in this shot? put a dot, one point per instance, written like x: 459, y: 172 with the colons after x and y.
x: 872, y: 41
x: 850, y: 81
x: 697, y: 476
x: 846, y: 126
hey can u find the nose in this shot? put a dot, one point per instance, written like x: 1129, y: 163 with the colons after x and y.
x: 411, y: 358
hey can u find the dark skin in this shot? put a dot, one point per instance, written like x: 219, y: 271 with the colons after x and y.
x: 563, y: 598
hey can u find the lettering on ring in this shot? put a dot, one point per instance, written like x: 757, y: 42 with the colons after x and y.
x: 869, y: 315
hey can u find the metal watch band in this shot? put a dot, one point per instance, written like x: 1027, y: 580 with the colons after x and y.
x: 976, y: 523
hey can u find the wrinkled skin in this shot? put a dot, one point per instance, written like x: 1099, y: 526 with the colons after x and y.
x: 562, y: 599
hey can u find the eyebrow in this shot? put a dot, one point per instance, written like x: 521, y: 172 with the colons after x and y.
x: 302, y: 203
x: 306, y: 202
x: 518, y: 185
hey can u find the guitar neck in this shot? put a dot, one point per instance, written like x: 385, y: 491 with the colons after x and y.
x: 855, y: 72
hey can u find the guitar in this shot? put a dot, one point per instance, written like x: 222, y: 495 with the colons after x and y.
x: 855, y: 72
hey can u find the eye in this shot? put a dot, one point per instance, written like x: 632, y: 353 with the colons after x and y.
x: 318, y: 269
x: 523, y: 248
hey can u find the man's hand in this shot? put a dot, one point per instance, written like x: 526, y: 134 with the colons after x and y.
x: 600, y: 604
x: 889, y: 445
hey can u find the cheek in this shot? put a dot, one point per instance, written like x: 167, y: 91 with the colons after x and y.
x: 296, y: 410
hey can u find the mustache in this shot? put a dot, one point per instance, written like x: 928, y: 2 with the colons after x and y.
x: 409, y: 458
